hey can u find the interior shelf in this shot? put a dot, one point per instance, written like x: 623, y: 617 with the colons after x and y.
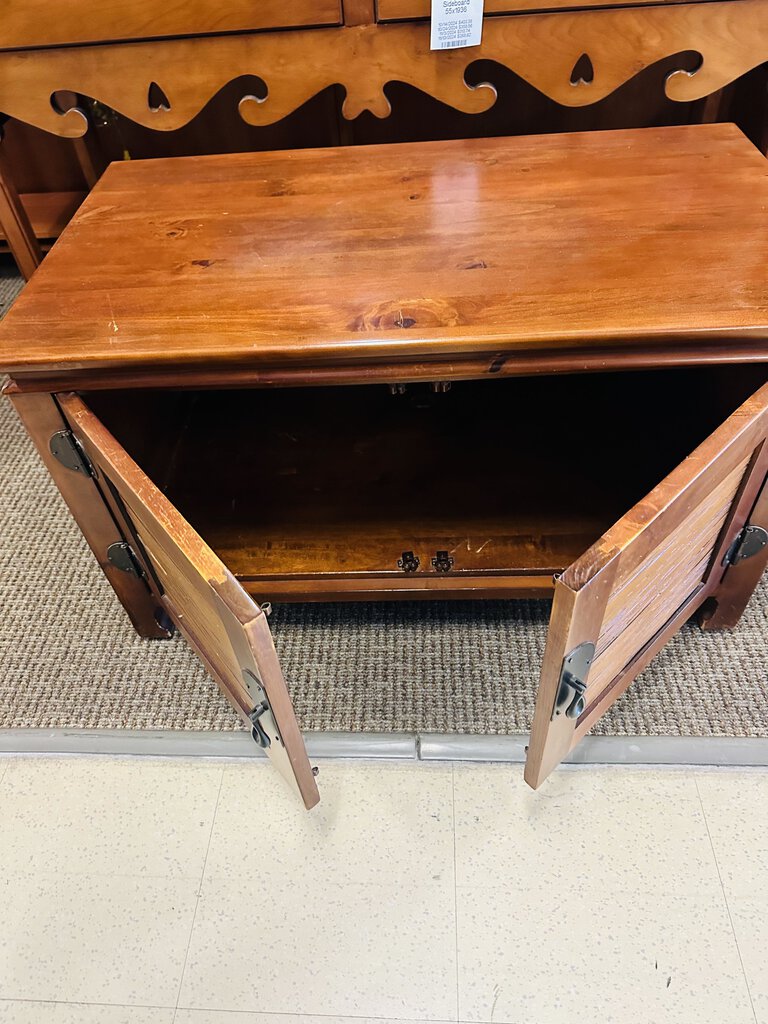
x: 510, y: 477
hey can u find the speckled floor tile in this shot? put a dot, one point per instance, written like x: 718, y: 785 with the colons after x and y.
x: 30, y: 1012
x: 93, y: 939
x: 358, y: 950
x: 107, y: 816
x: 750, y: 922
x: 736, y: 808
x: 229, y: 1017
x: 556, y: 955
x: 625, y: 828
x: 376, y: 823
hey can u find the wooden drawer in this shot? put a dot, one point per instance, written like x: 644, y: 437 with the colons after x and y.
x: 409, y: 10
x: 226, y: 498
x: 29, y: 23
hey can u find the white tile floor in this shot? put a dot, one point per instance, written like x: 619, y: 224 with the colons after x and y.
x: 196, y: 892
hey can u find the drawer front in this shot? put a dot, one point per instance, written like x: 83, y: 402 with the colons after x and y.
x: 410, y: 10
x: 618, y: 604
x: 29, y: 23
x: 222, y: 624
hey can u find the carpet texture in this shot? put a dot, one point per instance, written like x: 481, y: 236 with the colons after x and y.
x: 68, y: 657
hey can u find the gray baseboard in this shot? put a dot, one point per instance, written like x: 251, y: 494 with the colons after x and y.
x: 672, y: 750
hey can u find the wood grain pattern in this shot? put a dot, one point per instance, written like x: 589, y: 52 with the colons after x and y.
x: 642, y: 601
x: 15, y: 225
x: 48, y: 213
x: 731, y: 596
x: 406, y: 10
x: 31, y: 23
x: 731, y: 37
x: 315, y: 502
x: 659, y: 560
x: 42, y: 418
x: 475, y: 247
x: 202, y: 598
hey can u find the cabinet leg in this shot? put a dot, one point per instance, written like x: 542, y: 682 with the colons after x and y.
x: 16, y: 226
x: 42, y: 417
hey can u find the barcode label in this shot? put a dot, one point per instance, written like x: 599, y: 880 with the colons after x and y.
x: 456, y: 23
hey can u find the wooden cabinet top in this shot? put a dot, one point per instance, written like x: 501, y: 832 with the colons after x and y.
x: 493, y: 249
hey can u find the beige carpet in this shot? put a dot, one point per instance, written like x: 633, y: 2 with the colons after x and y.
x: 68, y: 657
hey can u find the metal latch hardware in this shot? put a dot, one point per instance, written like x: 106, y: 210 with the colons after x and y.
x: 749, y: 542
x: 122, y: 556
x: 260, y: 737
x: 67, y: 450
x: 408, y: 562
x: 442, y: 562
x: 263, y: 708
x: 570, y: 700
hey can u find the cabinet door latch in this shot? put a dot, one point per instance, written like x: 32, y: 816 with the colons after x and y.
x: 408, y: 562
x: 122, y: 556
x: 571, y: 689
x: 66, y: 449
x: 442, y: 562
x: 262, y: 710
x: 749, y: 542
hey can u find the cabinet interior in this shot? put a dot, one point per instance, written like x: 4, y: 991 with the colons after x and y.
x: 511, y: 477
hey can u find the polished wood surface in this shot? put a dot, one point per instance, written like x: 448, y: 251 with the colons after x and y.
x: 204, y: 601
x: 647, y: 575
x: 489, y: 248
x: 32, y: 23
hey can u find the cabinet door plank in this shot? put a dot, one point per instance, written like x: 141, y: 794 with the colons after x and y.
x: 644, y: 578
x: 222, y: 623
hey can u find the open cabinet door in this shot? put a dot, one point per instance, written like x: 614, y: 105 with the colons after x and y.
x: 224, y: 626
x: 618, y: 604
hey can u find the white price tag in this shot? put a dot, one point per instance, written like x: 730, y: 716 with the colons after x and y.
x: 456, y: 23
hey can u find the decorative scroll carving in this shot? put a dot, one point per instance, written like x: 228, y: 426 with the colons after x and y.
x: 575, y: 58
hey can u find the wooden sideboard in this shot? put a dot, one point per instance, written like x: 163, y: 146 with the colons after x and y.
x: 159, y: 67
x: 401, y: 371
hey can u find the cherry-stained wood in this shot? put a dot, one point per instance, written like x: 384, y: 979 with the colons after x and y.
x: 320, y: 505
x: 546, y: 50
x: 48, y: 213
x: 27, y: 24
x: 406, y: 10
x: 731, y: 597
x: 504, y: 247
x: 725, y: 350
x: 359, y: 12
x: 15, y: 226
x: 661, y: 562
x: 205, y: 602
x: 42, y: 418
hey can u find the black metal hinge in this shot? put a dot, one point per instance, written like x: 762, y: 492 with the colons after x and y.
x: 571, y: 689
x: 749, y: 542
x: 123, y: 557
x: 67, y: 450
